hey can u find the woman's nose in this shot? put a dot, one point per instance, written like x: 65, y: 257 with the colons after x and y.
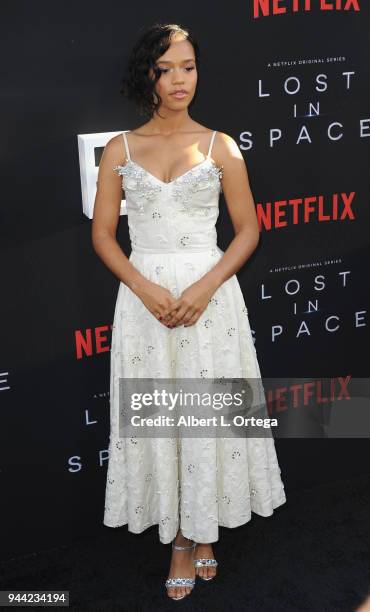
x: 177, y: 75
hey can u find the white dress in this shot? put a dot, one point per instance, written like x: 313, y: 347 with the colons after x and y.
x: 199, y: 483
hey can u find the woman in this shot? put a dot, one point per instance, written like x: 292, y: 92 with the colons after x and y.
x: 180, y: 311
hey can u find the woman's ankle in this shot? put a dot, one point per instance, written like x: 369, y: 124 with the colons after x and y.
x: 180, y: 539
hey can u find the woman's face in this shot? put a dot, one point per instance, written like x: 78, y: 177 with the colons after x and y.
x: 178, y: 72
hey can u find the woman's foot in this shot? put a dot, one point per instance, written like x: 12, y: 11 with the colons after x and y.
x: 205, y: 551
x: 182, y: 566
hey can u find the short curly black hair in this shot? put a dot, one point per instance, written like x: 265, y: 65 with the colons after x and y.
x: 136, y: 83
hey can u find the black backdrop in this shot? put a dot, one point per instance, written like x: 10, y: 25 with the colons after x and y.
x: 61, y: 71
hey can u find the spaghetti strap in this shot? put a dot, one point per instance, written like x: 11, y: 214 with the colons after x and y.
x: 126, y: 145
x: 211, y: 143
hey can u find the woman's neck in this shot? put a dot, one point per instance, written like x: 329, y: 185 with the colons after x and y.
x: 169, y: 123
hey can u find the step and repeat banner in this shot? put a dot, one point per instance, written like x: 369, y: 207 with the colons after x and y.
x: 289, y: 81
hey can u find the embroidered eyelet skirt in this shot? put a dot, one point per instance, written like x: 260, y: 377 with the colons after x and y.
x: 196, y: 484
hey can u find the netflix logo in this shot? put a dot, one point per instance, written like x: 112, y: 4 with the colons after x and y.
x: 91, y: 342
x: 267, y: 8
x: 308, y: 393
x: 305, y: 209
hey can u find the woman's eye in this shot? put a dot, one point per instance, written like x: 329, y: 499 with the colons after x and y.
x: 165, y: 70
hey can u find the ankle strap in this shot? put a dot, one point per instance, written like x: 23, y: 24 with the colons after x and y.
x: 183, y: 547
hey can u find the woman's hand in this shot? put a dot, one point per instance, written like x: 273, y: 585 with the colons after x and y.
x: 156, y: 299
x: 187, y: 309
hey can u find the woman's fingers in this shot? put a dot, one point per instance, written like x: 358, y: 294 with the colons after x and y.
x: 180, y: 312
x: 191, y: 315
x: 177, y: 316
x: 192, y: 321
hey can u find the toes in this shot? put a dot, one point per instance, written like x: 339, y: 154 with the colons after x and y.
x: 206, y: 572
x: 179, y: 592
x: 211, y: 572
x: 174, y: 593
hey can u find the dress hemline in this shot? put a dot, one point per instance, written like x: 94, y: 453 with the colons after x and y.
x: 189, y: 535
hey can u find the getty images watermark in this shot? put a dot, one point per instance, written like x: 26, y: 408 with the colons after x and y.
x: 244, y: 407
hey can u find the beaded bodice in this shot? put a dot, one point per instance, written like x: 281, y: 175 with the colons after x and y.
x: 178, y: 215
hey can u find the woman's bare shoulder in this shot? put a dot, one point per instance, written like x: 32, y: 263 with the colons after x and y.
x: 114, y: 144
x: 225, y: 141
x: 114, y: 152
x: 225, y: 138
x: 226, y: 146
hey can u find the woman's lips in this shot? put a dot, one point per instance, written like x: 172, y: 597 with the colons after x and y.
x: 179, y: 94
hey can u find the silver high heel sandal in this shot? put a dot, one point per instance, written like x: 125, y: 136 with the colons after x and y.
x: 205, y: 563
x: 180, y: 582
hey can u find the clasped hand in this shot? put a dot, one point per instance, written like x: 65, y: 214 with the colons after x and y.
x: 173, y: 312
x: 187, y: 309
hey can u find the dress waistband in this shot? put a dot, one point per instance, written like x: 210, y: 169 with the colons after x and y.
x: 174, y: 249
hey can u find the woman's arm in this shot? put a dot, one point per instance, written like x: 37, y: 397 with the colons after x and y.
x: 241, y: 207
x: 106, y: 215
